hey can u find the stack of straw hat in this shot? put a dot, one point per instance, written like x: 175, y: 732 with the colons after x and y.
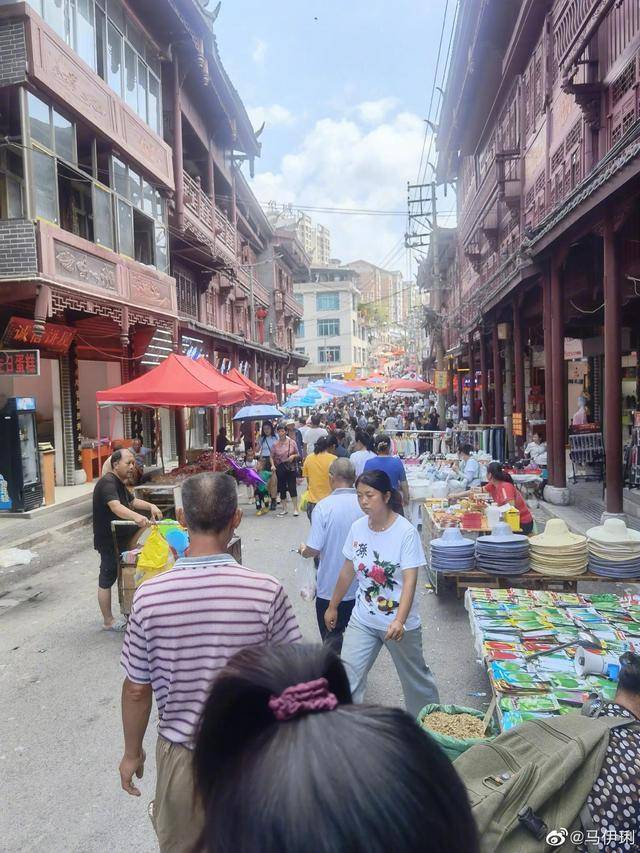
x: 557, y: 551
x: 614, y: 550
x: 503, y: 552
x: 452, y: 552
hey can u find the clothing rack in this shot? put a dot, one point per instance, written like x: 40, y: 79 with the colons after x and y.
x: 586, y: 450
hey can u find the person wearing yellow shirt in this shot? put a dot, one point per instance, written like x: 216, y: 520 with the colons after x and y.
x: 316, y: 471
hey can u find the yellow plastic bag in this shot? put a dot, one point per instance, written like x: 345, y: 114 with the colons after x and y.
x: 156, y: 557
x: 304, y: 500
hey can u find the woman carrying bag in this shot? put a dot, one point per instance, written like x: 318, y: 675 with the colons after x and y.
x: 285, y: 456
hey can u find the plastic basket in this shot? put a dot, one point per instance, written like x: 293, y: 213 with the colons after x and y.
x: 453, y: 746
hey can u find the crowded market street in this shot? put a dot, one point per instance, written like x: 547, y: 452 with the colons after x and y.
x: 63, y: 674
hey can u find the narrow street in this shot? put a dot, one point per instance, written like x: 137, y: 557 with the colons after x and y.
x: 60, y: 694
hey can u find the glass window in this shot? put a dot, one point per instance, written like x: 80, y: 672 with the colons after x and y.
x: 327, y: 301
x: 159, y: 208
x: 65, y: 137
x: 102, y: 217
x: 14, y: 198
x: 148, y: 198
x: 135, y: 36
x: 101, y: 43
x: 326, y: 328
x: 116, y: 13
x: 299, y: 297
x: 55, y: 14
x: 120, y: 182
x: 328, y: 355
x: 130, y: 87
x: 85, y: 32
x: 135, y: 189
x: 114, y: 58
x: 39, y: 121
x: 155, y: 121
x: 299, y: 329
x: 142, y: 90
x: 125, y: 228
x: 162, y: 253
x: 44, y: 181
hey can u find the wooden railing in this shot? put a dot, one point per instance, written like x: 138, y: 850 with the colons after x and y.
x: 570, y: 24
x: 225, y: 232
x: 199, y: 203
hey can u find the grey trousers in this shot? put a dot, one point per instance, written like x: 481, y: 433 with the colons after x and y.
x: 362, y: 646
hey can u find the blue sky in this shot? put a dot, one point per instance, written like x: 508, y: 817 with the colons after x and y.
x: 343, y: 87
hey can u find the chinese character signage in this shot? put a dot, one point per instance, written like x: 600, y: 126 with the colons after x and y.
x: 19, y: 362
x: 518, y: 423
x: 441, y: 380
x: 55, y: 338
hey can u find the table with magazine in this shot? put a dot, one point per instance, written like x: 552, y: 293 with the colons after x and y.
x: 511, y: 627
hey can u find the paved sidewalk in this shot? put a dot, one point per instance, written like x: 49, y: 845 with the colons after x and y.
x: 26, y: 532
x: 584, y: 511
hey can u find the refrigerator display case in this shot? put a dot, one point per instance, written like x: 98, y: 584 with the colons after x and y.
x: 19, y: 457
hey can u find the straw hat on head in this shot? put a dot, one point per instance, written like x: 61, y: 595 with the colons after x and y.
x: 557, y: 535
x: 614, y: 532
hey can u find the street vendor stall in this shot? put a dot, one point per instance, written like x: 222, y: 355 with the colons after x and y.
x: 527, y: 640
x: 176, y: 383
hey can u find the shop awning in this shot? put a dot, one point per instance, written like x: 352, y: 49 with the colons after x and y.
x: 177, y: 381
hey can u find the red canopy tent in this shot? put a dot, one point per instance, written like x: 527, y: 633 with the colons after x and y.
x: 177, y: 381
x: 416, y: 385
x: 258, y: 394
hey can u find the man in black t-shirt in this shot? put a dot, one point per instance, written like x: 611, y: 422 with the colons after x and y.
x: 112, y: 501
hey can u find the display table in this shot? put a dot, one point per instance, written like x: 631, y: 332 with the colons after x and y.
x: 511, y: 627
x: 441, y: 581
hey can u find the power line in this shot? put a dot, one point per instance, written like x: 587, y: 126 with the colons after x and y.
x: 442, y: 82
x: 433, y: 90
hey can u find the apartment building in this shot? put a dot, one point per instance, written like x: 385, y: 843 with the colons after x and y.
x: 127, y: 230
x: 332, y: 333
x: 382, y: 290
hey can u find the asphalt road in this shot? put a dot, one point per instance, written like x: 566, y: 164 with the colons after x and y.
x: 60, y: 735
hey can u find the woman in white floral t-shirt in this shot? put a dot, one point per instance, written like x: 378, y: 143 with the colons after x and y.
x: 384, y: 552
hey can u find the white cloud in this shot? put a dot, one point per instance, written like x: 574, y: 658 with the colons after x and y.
x: 274, y: 115
x: 374, y: 112
x: 343, y: 164
x: 259, y: 51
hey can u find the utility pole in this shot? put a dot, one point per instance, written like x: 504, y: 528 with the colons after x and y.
x: 440, y: 361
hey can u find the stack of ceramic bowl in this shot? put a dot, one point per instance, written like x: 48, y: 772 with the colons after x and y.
x: 503, y: 552
x: 614, y: 550
x: 452, y: 552
x: 557, y: 551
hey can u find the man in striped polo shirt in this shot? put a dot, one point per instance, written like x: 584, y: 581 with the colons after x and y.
x: 184, y: 626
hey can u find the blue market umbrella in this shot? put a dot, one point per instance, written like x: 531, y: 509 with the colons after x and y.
x: 257, y: 413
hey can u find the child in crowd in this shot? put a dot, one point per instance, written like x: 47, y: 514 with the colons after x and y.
x: 250, y: 462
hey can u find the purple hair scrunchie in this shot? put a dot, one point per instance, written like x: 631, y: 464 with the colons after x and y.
x: 309, y: 696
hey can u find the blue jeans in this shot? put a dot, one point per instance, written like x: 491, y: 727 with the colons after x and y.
x: 362, y: 646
